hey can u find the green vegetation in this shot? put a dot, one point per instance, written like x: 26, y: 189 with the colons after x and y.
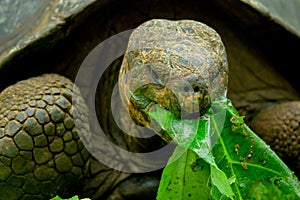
x: 73, y: 198
x: 220, y: 157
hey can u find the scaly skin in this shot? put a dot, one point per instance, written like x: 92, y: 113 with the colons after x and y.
x: 41, y: 154
x: 278, y: 125
x: 180, y: 65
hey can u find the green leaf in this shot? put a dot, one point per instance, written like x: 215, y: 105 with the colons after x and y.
x: 186, y: 177
x: 72, y: 198
x: 194, y: 134
x: 259, y: 172
x: 219, y: 179
x: 232, y: 150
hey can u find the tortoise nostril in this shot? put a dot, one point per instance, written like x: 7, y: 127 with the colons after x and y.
x: 196, y: 89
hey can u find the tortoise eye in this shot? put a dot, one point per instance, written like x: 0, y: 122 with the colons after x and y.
x: 186, y: 88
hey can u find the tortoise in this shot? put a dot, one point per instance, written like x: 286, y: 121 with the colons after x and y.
x: 39, y: 141
x: 65, y: 56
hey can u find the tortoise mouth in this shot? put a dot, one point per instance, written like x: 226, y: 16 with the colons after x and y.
x: 187, y: 103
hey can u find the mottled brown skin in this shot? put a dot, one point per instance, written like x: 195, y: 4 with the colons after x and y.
x: 279, y: 126
x: 180, y: 65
